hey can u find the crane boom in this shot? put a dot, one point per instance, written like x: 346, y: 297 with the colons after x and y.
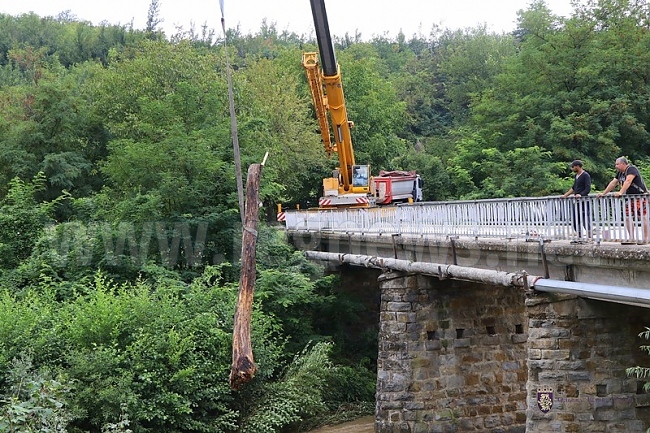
x: 324, y: 39
x: 326, y: 88
x: 351, y: 184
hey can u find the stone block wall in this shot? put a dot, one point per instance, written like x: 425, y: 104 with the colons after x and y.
x: 452, y: 357
x: 578, y: 351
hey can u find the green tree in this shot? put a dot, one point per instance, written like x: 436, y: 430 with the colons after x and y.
x: 422, y: 88
x: 379, y: 117
x: 276, y: 117
x: 470, y: 60
x: 169, y: 158
x: 22, y: 220
x: 570, y: 89
x: 48, y: 128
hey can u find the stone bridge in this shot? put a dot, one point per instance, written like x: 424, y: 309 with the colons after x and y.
x: 499, y: 335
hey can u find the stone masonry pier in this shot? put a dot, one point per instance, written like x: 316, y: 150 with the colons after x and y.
x: 462, y: 357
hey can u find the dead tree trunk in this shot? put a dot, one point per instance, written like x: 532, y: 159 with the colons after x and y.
x: 243, y: 365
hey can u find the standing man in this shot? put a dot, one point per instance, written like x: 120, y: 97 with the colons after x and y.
x: 632, y: 186
x: 581, y: 188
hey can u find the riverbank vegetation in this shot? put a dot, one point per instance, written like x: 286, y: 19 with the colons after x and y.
x: 119, y: 224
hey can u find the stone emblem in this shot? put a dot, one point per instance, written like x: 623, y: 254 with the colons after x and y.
x: 545, y: 398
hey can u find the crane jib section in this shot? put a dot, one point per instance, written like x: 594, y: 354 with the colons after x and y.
x: 310, y: 63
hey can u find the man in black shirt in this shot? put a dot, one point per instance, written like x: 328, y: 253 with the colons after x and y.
x: 632, y: 186
x: 581, y: 188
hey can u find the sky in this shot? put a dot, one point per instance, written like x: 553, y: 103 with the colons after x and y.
x: 369, y: 17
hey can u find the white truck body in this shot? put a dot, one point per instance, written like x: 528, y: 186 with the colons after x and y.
x: 396, y: 186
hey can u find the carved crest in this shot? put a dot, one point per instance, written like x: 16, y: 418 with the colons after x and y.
x: 545, y: 398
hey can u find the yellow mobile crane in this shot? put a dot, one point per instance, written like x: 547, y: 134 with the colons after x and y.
x: 349, y: 185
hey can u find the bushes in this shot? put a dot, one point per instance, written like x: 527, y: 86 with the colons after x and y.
x: 154, y: 355
x: 162, y: 352
x: 35, y: 402
x: 156, y: 358
x: 311, y: 392
x: 295, y: 396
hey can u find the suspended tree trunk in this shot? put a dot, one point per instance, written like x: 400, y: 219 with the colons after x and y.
x: 243, y: 365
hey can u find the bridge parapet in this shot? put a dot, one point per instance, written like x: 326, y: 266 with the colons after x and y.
x: 586, y: 219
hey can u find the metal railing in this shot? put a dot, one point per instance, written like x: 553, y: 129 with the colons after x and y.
x: 585, y: 219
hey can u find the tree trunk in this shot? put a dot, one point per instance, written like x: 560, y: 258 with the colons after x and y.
x: 243, y: 365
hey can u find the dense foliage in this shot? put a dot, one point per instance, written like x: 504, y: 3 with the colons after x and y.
x: 119, y: 224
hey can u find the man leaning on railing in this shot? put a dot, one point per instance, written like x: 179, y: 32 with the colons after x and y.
x: 581, y: 188
x: 628, y: 176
